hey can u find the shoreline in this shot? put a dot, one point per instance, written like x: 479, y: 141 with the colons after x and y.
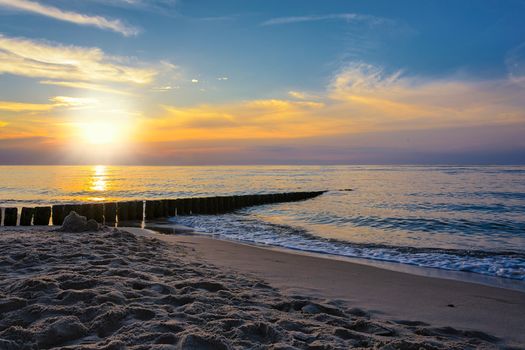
x: 456, y: 275
x: 392, y: 294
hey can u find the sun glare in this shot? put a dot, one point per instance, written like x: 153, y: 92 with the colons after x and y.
x: 100, y: 133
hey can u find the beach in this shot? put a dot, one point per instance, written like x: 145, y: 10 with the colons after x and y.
x: 115, y: 289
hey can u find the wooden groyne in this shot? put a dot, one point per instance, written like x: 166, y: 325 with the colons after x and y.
x: 113, y: 212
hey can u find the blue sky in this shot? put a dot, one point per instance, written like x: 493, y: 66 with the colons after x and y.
x: 353, y: 59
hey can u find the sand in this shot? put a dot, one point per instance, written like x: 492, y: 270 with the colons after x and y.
x: 384, y: 293
x: 118, y: 290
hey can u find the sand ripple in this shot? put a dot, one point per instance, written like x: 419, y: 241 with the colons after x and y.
x: 113, y: 290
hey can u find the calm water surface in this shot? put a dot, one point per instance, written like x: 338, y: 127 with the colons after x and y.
x: 455, y: 218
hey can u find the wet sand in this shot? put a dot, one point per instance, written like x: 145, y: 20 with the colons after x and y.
x: 117, y: 290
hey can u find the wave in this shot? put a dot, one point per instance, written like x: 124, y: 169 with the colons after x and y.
x: 506, y: 264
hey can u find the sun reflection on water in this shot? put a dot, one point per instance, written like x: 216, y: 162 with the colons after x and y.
x: 98, y: 181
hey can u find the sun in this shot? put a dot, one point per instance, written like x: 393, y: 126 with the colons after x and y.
x: 100, y: 133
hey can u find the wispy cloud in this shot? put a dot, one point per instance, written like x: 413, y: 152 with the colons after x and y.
x: 515, y: 61
x: 392, y: 101
x: 67, y: 101
x: 85, y: 86
x: 360, y: 99
x: 301, y: 95
x: 10, y: 106
x: 68, y: 16
x: 159, y: 7
x: 348, y: 17
x: 40, y: 59
x: 55, y: 102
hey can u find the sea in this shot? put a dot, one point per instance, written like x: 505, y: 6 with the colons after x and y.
x: 436, y: 218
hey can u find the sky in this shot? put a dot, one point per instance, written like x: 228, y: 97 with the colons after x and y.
x: 209, y: 82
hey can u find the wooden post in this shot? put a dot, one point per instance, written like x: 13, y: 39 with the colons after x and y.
x: 98, y: 212
x: 110, y: 213
x: 139, y: 214
x: 212, y: 205
x: 132, y: 210
x: 150, y: 210
x: 185, y: 206
x: 206, y: 204
x: 122, y: 211
x: 228, y: 204
x: 26, y: 216
x: 172, y: 206
x: 158, y: 210
x: 68, y: 208
x: 165, y: 208
x: 10, y: 216
x: 42, y: 216
x: 86, y: 210
x: 78, y: 209
x: 58, y: 214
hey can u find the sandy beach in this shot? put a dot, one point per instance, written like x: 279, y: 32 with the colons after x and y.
x: 122, y: 290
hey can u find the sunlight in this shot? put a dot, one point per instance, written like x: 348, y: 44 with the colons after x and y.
x: 100, y: 133
x: 99, y: 178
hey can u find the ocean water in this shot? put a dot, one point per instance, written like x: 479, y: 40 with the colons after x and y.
x: 465, y: 218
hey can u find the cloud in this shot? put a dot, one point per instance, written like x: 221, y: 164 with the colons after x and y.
x: 57, y: 101
x: 73, y: 17
x: 40, y: 59
x: 10, y: 106
x: 85, y: 86
x: 515, y: 61
x: 360, y: 99
x: 254, y: 119
x: 348, y: 17
x: 300, y: 95
x: 153, y: 4
x: 165, y: 88
x: 66, y: 101
x: 393, y: 101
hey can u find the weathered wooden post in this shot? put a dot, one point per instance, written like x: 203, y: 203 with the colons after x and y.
x: 132, y: 210
x: 98, y: 212
x: 226, y: 204
x: 186, y: 206
x: 207, y: 205
x: 110, y: 213
x: 78, y: 209
x: 42, y: 216
x: 246, y: 201
x: 87, y: 210
x: 158, y: 211
x: 165, y: 203
x: 214, y: 205
x: 10, y: 216
x: 122, y: 211
x: 150, y: 210
x: 176, y: 206
x: 171, y: 205
x: 26, y: 216
x: 58, y: 214
x: 68, y: 208
x: 139, y: 214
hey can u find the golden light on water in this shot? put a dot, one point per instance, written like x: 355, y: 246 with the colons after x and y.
x: 98, y: 181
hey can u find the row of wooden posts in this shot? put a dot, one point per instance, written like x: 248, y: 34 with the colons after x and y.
x: 110, y: 213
